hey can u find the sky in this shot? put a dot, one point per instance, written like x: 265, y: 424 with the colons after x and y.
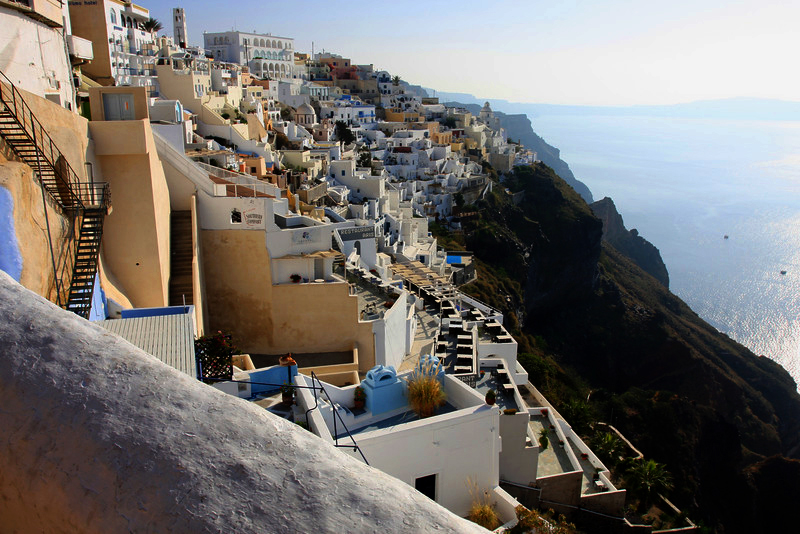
x: 575, y: 52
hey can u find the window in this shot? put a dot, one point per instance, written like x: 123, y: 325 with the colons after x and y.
x: 342, y: 172
x: 113, y: 17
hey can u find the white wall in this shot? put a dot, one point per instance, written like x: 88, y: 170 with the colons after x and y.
x: 215, y: 212
x: 34, y: 57
x: 390, y: 334
x: 458, y: 447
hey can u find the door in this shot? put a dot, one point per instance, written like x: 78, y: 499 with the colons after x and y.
x: 118, y: 107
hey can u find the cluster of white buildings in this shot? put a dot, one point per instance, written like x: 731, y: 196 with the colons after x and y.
x: 300, y: 242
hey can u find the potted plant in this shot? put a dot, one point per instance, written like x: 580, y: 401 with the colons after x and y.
x: 491, y: 397
x: 544, y: 441
x: 287, y: 394
x: 425, y: 392
x: 544, y: 411
x: 296, y: 278
x: 483, y: 372
x: 287, y: 360
x: 359, y: 398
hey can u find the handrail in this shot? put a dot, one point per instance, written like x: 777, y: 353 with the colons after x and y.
x: 312, y: 387
x: 335, y: 416
x: 75, y: 197
x: 13, y: 101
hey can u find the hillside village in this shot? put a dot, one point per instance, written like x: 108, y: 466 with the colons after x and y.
x: 242, y: 190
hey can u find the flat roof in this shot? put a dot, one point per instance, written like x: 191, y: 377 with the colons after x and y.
x: 170, y: 338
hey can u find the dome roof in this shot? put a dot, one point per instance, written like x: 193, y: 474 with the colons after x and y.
x: 305, y: 109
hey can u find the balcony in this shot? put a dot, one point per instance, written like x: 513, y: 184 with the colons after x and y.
x: 79, y: 47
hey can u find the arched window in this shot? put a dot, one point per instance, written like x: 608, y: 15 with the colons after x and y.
x: 113, y: 17
x: 280, y: 44
x: 262, y: 42
x: 274, y: 44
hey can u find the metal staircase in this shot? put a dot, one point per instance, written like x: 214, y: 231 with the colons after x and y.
x: 86, y: 204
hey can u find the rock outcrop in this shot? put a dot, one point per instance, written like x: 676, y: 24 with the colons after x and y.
x: 629, y: 242
x: 98, y: 436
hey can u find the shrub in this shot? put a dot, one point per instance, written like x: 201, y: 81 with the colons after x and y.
x: 425, y: 392
x: 481, y: 511
x: 484, y: 515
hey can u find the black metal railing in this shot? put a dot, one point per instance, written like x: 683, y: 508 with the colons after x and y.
x: 319, y: 387
x: 72, y: 195
x: 14, y: 103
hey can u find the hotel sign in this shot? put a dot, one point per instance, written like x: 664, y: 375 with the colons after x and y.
x: 359, y: 232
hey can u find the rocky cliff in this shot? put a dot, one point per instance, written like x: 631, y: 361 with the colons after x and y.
x: 629, y: 242
x: 592, y: 324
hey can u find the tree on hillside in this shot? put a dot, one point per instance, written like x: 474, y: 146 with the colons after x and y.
x: 343, y: 133
x: 364, y: 158
x: 153, y: 26
x: 647, y: 478
x: 607, y: 446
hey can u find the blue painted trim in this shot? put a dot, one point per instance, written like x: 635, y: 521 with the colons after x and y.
x: 155, y: 312
x: 10, y: 257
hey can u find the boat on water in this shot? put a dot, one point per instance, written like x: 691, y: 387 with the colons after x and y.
x: 783, y: 272
x: 726, y: 236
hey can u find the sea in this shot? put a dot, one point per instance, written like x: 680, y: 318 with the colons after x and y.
x: 721, y: 201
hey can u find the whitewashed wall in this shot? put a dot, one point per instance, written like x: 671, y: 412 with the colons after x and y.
x: 458, y: 447
x: 390, y: 334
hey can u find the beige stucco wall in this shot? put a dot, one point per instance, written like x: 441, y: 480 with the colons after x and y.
x: 198, y: 274
x: 141, y: 111
x: 89, y: 21
x: 136, y: 235
x: 238, y: 295
x: 266, y: 318
x: 321, y: 317
x: 31, y: 229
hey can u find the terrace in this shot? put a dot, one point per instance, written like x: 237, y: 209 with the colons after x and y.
x: 553, y: 460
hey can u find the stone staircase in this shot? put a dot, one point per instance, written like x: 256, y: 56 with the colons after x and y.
x: 180, y: 279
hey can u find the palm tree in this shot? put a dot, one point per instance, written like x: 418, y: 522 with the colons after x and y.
x: 152, y: 26
x: 647, y: 478
x: 396, y: 80
x: 607, y: 446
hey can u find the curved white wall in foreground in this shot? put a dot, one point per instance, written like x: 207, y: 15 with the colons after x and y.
x: 101, y: 437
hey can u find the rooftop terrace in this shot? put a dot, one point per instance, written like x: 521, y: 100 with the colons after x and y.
x: 553, y: 460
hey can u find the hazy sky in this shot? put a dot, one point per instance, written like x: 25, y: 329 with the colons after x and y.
x: 614, y: 52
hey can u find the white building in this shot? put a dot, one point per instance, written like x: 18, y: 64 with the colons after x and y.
x: 265, y: 54
x: 348, y: 110
x: 179, y: 33
x: 33, y: 41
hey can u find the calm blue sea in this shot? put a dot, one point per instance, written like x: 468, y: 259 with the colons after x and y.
x: 685, y: 184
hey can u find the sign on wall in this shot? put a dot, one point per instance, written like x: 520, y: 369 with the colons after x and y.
x: 359, y: 232
x: 308, y: 235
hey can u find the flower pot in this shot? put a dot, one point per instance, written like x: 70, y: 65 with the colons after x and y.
x: 358, y: 405
x: 287, y: 399
x: 490, y: 400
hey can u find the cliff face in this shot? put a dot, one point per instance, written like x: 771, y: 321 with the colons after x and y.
x: 686, y: 395
x: 630, y: 243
